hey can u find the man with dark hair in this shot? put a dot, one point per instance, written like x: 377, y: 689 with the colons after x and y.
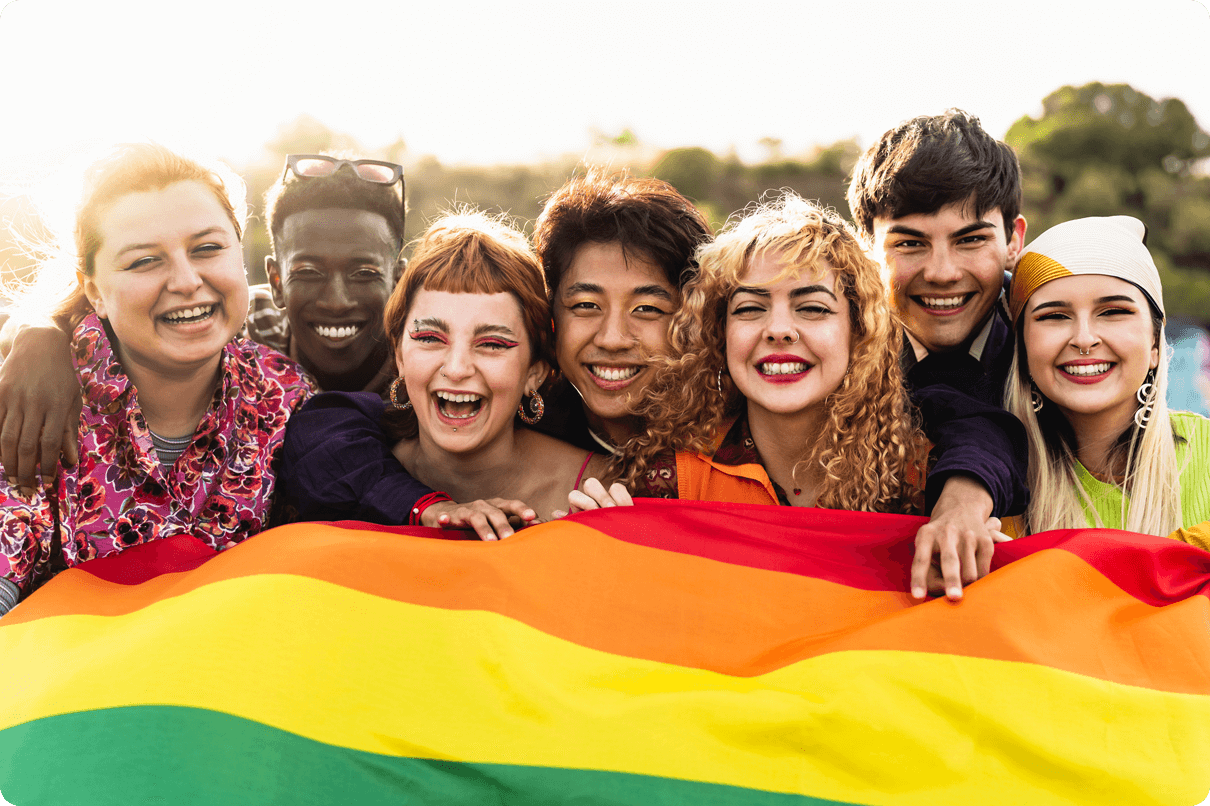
x: 938, y: 200
x: 616, y: 251
x: 336, y: 230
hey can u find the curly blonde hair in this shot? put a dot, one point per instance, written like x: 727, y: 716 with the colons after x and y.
x: 871, y: 448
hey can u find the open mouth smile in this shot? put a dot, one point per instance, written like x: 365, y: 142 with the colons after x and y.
x: 611, y: 378
x: 1087, y: 373
x: 337, y: 332
x: 188, y: 316
x: 782, y: 371
x: 946, y: 304
x: 456, y: 408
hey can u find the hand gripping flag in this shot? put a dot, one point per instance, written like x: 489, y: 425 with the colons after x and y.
x: 669, y: 653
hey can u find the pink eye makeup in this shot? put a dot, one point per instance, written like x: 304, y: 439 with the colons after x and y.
x: 429, y: 336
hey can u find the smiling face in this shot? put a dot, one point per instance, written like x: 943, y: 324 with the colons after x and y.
x: 169, y: 277
x: 946, y: 270
x: 1105, y: 317
x: 466, y: 362
x: 610, y: 310
x: 787, y: 341
x: 337, y: 268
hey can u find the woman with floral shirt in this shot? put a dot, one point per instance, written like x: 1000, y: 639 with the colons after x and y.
x: 181, y: 420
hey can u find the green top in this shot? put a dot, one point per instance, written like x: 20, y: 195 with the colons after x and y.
x: 1192, y: 456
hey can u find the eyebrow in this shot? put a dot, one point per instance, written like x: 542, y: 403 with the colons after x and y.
x: 1059, y: 303
x: 503, y: 330
x: 797, y: 292
x: 137, y: 246
x: 900, y: 229
x: 651, y: 290
x: 440, y: 324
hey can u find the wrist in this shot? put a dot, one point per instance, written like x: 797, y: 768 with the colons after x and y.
x: 424, y: 503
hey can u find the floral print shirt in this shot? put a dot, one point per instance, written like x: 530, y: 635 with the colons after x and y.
x: 120, y: 496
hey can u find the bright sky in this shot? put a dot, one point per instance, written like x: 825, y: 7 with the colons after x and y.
x: 475, y: 82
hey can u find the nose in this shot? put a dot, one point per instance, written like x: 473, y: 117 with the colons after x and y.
x: 941, y: 267
x: 459, y: 364
x: 335, y: 297
x: 614, y: 334
x: 184, y: 278
x: 780, y: 327
x: 1085, y: 338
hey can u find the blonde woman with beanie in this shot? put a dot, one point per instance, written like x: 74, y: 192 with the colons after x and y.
x: 1089, y: 382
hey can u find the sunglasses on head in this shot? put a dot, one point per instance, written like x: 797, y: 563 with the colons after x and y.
x: 311, y: 166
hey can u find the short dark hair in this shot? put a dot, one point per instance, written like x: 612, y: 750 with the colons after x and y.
x: 932, y: 161
x: 342, y: 190
x: 646, y: 215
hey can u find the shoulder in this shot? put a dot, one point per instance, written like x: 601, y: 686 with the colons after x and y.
x: 266, y: 323
x: 1194, y: 430
x: 354, y: 405
x: 260, y: 367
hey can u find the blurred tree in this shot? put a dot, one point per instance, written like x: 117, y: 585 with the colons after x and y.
x: 1108, y: 149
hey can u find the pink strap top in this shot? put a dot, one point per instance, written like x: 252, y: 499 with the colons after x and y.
x: 583, y: 467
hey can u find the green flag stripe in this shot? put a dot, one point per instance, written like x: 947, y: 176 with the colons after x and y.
x: 172, y: 755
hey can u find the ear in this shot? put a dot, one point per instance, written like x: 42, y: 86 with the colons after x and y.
x: 1155, y: 357
x: 1016, y: 242
x: 274, y: 273
x: 537, y: 375
x: 400, y: 265
x: 93, y: 294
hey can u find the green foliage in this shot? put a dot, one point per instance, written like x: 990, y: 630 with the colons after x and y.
x: 1111, y: 150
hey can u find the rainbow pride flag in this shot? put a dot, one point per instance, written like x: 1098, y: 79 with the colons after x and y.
x: 670, y: 653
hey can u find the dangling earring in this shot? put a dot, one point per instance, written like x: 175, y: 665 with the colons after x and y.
x: 536, y: 405
x: 719, y: 381
x: 1035, y: 398
x: 1146, y: 398
x: 405, y: 405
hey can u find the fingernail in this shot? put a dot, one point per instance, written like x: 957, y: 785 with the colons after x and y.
x: 954, y: 593
x: 529, y: 515
x: 918, y: 593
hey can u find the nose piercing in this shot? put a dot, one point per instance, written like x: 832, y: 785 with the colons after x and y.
x: 1086, y: 352
x: 797, y: 337
x: 442, y: 370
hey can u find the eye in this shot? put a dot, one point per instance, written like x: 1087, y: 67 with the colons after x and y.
x: 427, y: 336
x: 1117, y: 312
x: 584, y: 307
x: 209, y: 249
x: 747, y: 310
x: 142, y: 263
x: 497, y: 344
x: 1053, y: 316
x: 973, y: 240
x: 650, y: 310
x: 815, y: 310
x: 305, y: 274
x: 367, y: 273
x: 908, y: 244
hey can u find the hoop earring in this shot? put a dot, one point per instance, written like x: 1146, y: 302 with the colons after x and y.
x: 405, y: 405
x: 536, y: 405
x: 1036, y: 400
x: 1146, y: 398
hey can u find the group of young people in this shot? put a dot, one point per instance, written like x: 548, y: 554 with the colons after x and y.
x: 488, y: 383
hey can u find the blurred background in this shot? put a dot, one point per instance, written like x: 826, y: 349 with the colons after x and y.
x: 497, y: 104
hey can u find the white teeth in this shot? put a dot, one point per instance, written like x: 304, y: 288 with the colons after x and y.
x: 190, y: 313
x: 341, y: 332
x: 784, y: 368
x: 1087, y: 369
x: 943, y: 302
x: 459, y: 398
x: 613, y: 373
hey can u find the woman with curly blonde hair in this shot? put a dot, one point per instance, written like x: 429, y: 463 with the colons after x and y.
x: 786, y: 386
